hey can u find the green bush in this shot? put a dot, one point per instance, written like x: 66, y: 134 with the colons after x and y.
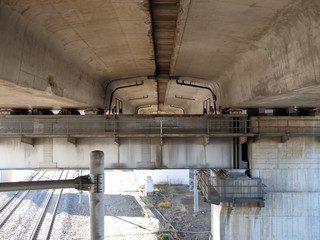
x: 163, y: 236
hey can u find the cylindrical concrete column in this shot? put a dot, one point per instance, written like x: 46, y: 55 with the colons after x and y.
x: 97, y: 195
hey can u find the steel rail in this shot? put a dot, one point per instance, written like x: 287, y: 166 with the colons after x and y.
x: 14, y: 205
x: 40, y: 217
x: 10, y: 199
x: 53, y: 216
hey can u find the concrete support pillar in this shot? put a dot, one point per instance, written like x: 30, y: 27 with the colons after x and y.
x: 97, y: 195
x: 215, y: 221
x: 290, y: 170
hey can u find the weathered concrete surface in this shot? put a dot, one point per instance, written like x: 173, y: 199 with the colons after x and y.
x: 252, y: 53
x: 191, y: 99
x: 16, y: 96
x: 216, y: 33
x: 129, y: 153
x: 291, y: 172
x: 281, y: 69
x: 136, y: 97
x: 71, y: 50
x: 262, y: 53
x: 32, y: 58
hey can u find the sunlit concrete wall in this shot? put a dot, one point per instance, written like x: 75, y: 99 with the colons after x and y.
x: 131, y: 153
x: 281, y: 67
x: 291, y: 173
x: 176, y: 176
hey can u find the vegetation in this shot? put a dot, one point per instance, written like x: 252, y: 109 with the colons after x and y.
x: 164, y: 204
x: 164, y: 189
x: 163, y: 236
x: 149, y: 201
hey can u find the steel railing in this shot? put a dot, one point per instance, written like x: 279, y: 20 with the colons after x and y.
x: 231, y: 189
x: 219, y: 125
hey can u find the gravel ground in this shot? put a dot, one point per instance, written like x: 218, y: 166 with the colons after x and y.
x: 124, y: 216
x: 20, y: 223
x: 181, y: 215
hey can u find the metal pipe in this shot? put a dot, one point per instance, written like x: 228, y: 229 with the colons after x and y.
x: 182, y: 83
x: 195, y: 190
x: 97, y: 195
x: 107, y: 86
x: 116, y: 89
x: 39, y: 185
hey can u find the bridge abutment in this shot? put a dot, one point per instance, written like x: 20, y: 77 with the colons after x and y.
x: 290, y: 170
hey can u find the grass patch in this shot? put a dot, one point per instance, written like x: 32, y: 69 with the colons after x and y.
x: 171, y: 191
x: 163, y: 188
x: 163, y: 236
x: 149, y: 201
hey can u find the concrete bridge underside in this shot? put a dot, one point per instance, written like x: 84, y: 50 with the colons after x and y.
x: 174, y: 57
x: 251, y: 54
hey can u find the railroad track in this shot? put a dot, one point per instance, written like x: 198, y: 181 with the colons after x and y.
x: 12, y: 203
x: 43, y: 223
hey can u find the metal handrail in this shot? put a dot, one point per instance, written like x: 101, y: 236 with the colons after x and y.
x: 228, y: 191
x: 227, y: 125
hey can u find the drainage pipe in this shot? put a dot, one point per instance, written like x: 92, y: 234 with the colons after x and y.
x: 116, y: 89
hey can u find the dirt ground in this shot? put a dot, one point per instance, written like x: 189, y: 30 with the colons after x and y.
x: 186, y: 224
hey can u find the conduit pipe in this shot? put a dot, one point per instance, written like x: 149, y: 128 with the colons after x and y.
x: 39, y: 185
x: 80, y: 183
x: 182, y: 83
x: 116, y: 89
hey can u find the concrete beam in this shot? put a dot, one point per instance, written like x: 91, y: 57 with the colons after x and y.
x: 49, y: 60
x: 28, y: 140
x: 72, y: 140
x: 148, y: 153
x: 35, y: 69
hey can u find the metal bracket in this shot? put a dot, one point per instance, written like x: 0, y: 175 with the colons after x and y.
x: 284, y: 138
x: 91, y: 182
x: 72, y: 140
x: 206, y: 140
x: 84, y: 183
x: 27, y: 140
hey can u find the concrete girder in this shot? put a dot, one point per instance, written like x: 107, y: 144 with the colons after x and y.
x: 36, y: 71
x: 59, y: 54
x: 280, y: 68
x: 262, y: 54
x: 62, y: 53
x: 129, y: 153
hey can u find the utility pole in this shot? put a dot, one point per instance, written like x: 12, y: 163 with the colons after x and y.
x: 195, y: 189
x: 97, y: 195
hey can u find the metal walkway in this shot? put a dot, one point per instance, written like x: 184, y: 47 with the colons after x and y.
x: 156, y: 126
